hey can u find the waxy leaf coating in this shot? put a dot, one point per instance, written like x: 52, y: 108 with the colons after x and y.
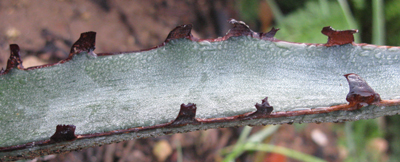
x: 112, y: 97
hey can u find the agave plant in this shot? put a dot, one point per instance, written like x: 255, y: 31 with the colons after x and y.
x: 95, y: 99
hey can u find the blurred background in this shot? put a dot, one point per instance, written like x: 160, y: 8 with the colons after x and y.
x: 45, y: 31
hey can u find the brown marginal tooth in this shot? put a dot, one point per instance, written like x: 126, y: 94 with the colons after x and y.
x: 186, y: 115
x: 270, y: 35
x: 179, y: 32
x: 86, y: 42
x: 360, y: 92
x: 64, y: 133
x: 14, y: 60
x: 264, y: 108
x: 338, y: 37
x: 239, y: 29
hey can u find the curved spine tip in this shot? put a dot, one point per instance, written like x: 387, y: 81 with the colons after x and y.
x: 269, y: 35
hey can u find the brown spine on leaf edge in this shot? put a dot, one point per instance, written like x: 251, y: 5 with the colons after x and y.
x: 64, y: 133
x: 14, y: 60
x: 264, y: 108
x: 186, y: 115
x: 86, y: 42
x: 360, y: 93
x: 270, y: 35
x: 180, y: 32
x: 338, y: 37
x: 239, y: 29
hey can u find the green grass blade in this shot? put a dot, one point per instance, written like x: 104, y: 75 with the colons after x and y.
x: 378, y: 23
x: 238, y: 148
x: 261, y: 135
x: 276, y: 11
x: 349, y: 18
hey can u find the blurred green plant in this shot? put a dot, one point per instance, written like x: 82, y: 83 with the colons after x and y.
x: 356, y: 137
x: 254, y: 143
x: 249, y: 10
x: 393, y: 135
x: 392, y: 16
x: 301, y: 25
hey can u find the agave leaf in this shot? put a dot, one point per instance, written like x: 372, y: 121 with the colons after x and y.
x: 111, y: 97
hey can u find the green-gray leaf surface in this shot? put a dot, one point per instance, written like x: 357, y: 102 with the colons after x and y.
x: 222, y: 78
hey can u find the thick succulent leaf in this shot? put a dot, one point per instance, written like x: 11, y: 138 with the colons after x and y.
x: 116, y: 97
